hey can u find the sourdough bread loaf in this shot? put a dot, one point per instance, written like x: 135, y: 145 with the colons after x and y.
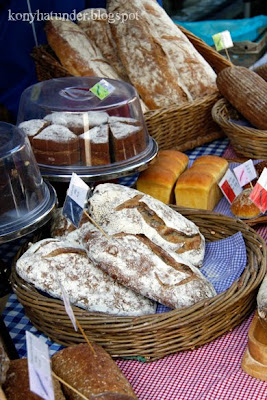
x: 141, y: 265
x: 262, y: 299
x: 50, y: 260
x: 119, y: 209
x: 79, y: 55
x: 94, y: 374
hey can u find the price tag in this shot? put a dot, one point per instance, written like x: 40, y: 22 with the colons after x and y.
x: 102, y: 89
x: 229, y: 186
x: 75, y: 200
x: 222, y: 40
x: 39, y: 367
x: 245, y: 172
x: 259, y: 193
x: 67, y: 305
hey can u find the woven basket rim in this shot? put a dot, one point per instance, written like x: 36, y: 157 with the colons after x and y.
x: 240, y: 294
x: 222, y: 119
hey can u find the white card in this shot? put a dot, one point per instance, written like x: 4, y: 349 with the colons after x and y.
x: 39, y: 367
x: 67, y: 305
x: 222, y: 40
x: 259, y: 193
x: 229, y: 186
x: 245, y: 172
x: 78, y: 190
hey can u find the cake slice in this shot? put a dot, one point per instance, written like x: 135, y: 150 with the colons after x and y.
x: 94, y: 145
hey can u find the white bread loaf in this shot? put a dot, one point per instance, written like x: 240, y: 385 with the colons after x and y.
x: 137, y: 263
x: 119, y: 209
x: 79, y: 55
x: 160, y: 61
x: 87, y: 286
x: 94, y: 22
x: 198, y: 186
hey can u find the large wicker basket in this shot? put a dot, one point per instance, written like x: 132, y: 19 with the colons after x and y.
x: 246, y: 141
x: 179, y: 126
x: 155, y: 336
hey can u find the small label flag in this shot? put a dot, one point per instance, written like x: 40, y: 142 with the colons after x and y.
x: 75, y: 200
x: 102, y: 89
x: 245, y: 172
x: 222, y: 40
x: 229, y: 186
x: 259, y: 193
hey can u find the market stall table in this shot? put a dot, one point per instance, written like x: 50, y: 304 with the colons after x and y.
x: 212, y: 371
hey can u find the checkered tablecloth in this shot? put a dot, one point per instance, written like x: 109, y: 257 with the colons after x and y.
x: 211, y: 372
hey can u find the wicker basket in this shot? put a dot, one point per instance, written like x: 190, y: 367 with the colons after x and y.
x: 180, y: 126
x: 154, y: 336
x: 248, y: 142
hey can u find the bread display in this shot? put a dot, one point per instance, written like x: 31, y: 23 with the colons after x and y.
x: 79, y: 55
x: 17, y: 385
x: 93, y: 374
x: 120, y: 209
x: 247, y: 92
x: 198, y: 186
x: 243, y: 207
x: 159, y: 179
x: 50, y: 260
x: 95, y: 24
x: 160, y: 61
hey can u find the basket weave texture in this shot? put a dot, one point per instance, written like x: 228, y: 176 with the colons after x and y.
x: 180, y: 126
x: 246, y: 141
x: 155, y: 336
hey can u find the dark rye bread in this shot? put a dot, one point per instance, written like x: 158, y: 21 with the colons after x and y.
x: 121, y: 209
x: 91, y: 373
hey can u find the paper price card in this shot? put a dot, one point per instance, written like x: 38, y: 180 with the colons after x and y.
x: 102, y: 89
x: 245, y: 172
x: 39, y: 367
x: 229, y: 186
x: 67, y: 305
x: 259, y: 193
x: 75, y: 200
x: 222, y: 40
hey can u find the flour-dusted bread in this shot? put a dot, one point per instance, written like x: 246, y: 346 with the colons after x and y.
x: 262, y: 299
x: 79, y: 55
x: 120, y: 209
x: 94, y: 374
x: 95, y: 23
x: 50, y: 260
x: 141, y: 265
x: 160, y: 61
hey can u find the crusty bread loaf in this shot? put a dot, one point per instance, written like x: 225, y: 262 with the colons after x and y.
x: 262, y: 300
x: 17, y: 386
x: 94, y: 22
x: 92, y: 374
x: 120, y: 209
x: 243, y: 207
x: 60, y: 226
x: 160, y: 61
x: 261, y: 70
x: 247, y: 92
x: 87, y: 286
x: 141, y: 265
x: 4, y: 364
x: 159, y: 178
x: 198, y: 186
x: 79, y: 55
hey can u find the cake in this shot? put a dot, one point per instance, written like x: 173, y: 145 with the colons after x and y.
x: 33, y: 126
x: 94, y: 145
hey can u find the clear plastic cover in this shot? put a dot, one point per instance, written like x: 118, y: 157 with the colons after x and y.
x: 81, y: 123
x: 23, y: 193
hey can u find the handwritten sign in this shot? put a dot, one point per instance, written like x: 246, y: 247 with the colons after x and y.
x: 229, y: 186
x: 39, y: 367
x: 259, y: 193
x: 245, y: 172
x: 67, y: 305
x: 222, y: 40
x: 75, y: 200
x: 102, y: 89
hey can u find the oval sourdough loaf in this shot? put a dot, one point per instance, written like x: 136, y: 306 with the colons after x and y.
x: 141, y: 265
x: 262, y: 299
x: 50, y: 260
x: 247, y: 92
x: 120, y: 209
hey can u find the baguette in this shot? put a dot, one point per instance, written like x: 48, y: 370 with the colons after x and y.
x: 247, y: 92
x: 95, y: 375
x: 79, y: 55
